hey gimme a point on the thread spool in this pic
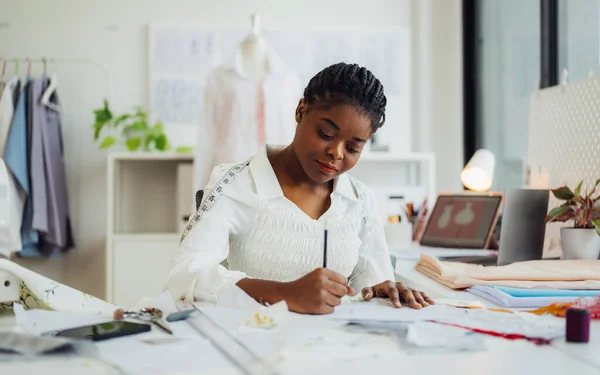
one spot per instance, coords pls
(578, 325)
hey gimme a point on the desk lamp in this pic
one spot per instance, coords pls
(478, 174)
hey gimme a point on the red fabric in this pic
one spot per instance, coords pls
(511, 336)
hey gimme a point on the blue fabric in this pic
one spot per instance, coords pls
(519, 292)
(17, 159)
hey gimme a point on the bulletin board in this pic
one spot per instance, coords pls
(564, 142)
(180, 57)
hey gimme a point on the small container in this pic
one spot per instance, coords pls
(578, 325)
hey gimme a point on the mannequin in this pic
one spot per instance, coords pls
(254, 51)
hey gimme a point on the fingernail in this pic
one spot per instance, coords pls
(397, 304)
(368, 295)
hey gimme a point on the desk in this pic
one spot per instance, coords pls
(406, 273)
(344, 352)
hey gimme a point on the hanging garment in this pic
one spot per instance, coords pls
(11, 212)
(7, 109)
(2, 85)
(47, 173)
(58, 223)
(17, 159)
(240, 115)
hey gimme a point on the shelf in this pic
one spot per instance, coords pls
(141, 156)
(375, 156)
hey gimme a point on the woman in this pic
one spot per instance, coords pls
(267, 217)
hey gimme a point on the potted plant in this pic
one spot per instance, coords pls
(133, 128)
(582, 241)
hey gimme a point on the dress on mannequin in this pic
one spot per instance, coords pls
(248, 102)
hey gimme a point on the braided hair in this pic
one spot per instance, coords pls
(349, 84)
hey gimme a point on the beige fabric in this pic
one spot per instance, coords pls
(548, 274)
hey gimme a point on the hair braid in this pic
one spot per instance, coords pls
(352, 84)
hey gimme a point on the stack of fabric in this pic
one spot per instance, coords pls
(542, 274)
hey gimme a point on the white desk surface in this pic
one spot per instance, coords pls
(352, 353)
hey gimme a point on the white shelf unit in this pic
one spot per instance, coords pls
(143, 228)
(146, 206)
(409, 175)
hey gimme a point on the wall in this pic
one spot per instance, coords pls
(114, 34)
(437, 108)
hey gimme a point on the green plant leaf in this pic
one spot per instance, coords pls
(563, 193)
(596, 224)
(103, 115)
(138, 125)
(133, 143)
(97, 129)
(161, 143)
(149, 139)
(578, 190)
(121, 118)
(158, 128)
(107, 142)
(139, 111)
(584, 216)
(558, 211)
(184, 149)
(594, 190)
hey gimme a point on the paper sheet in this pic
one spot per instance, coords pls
(296, 330)
(428, 335)
(190, 355)
(546, 327)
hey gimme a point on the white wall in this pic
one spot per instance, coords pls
(437, 108)
(114, 33)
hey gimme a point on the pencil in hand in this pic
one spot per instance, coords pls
(325, 251)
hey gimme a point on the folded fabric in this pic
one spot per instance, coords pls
(520, 292)
(542, 274)
(503, 299)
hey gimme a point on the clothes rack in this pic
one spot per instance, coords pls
(56, 60)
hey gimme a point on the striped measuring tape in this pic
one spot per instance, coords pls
(209, 200)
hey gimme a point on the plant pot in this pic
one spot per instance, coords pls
(580, 243)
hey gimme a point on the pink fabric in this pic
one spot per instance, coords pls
(547, 274)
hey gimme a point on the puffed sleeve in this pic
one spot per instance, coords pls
(196, 272)
(374, 265)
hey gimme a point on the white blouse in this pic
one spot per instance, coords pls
(264, 235)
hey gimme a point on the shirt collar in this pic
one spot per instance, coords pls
(265, 180)
(267, 185)
(276, 66)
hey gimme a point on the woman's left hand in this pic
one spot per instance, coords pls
(397, 292)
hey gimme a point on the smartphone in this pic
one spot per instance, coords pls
(102, 331)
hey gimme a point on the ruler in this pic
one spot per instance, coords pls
(239, 354)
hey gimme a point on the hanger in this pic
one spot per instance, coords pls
(4, 68)
(52, 86)
(28, 67)
(45, 66)
(16, 67)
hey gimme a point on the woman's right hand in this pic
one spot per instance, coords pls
(316, 293)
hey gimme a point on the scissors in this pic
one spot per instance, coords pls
(149, 314)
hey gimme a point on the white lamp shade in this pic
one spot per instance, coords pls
(478, 174)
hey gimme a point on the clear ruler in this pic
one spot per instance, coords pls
(243, 358)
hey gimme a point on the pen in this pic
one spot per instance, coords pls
(325, 251)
